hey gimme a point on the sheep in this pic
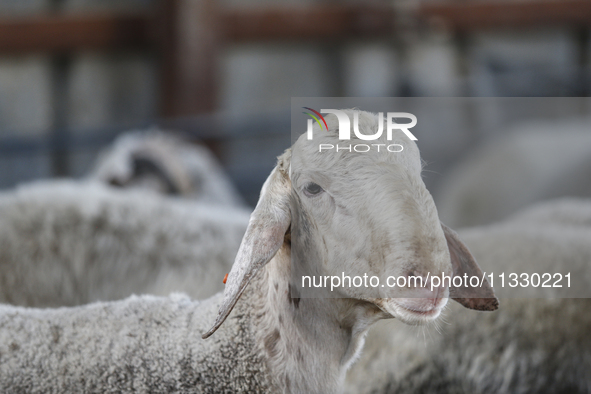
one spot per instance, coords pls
(530, 164)
(328, 213)
(65, 243)
(166, 163)
(73, 242)
(531, 345)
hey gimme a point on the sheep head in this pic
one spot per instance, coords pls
(357, 214)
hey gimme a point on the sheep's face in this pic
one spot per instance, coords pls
(368, 214)
(356, 214)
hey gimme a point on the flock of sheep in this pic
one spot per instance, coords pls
(99, 279)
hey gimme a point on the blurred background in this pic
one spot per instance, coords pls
(74, 74)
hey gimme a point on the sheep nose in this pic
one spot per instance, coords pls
(421, 294)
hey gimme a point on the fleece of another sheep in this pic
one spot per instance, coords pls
(70, 243)
(142, 344)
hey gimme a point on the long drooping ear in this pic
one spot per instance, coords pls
(263, 238)
(481, 298)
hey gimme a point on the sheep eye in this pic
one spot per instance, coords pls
(312, 189)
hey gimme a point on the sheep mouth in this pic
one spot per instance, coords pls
(427, 312)
(416, 314)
